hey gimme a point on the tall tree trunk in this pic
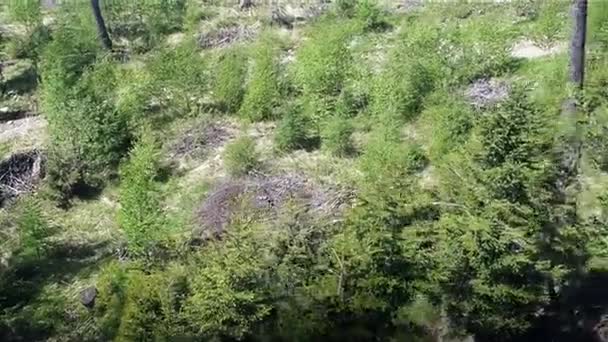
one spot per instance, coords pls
(577, 44)
(101, 26)
(570, 142)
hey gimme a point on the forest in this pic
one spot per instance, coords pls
(322, 170)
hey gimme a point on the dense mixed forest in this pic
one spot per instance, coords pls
(346, 170)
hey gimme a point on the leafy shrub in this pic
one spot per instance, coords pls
(385, 161)
(323, 60)
(73, 48)
(31, 45)
(230, 77)
(397, 93)
(170, 86)
(26, 12)
(596, 140)
(548, 26)
(370, 14)
(262, 90)
(448, 124)
(506, 187)
(230, 287)
(346, 8)
(322, 67)
(86, 129)
(140, 214)
(154, 19)
(112, 285)
(88, 135)
(33, 226)
(134, 305)
(292, 131)
(478, 49)
(336, 136)
(241, 157)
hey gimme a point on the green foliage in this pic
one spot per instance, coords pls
(26, 12)
(346, 8)
(292, 131)
(133, 305)
(72, 51)
(323, 60)
(176, 79)
(262, 89)
(448, 123)
(88, 134)
(385, 161)
(144, 23)
(549, 25)
(368, 12)
(596, 140)
(336, 136)
(597, 23)
(29, 46)
(229, 289)
(496, 240)
(33, 226)
(475, 49)
(322, 68)
(241, 157)
(140, 215)
(229, 79)
(112, 286)
(397, 93)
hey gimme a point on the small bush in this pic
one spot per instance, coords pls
(241, 157)
(87, 129)
(345, 8)
(154, 20)
(262, 90)
(447, 124)
(230, 287)
(370, 14)
(26, 12)
(228, 86)
(292, 131)
(33, 226)
(29, 46)
(336, 136)
(112, 285)
(386, 162)
(140, 214)
(323, 61)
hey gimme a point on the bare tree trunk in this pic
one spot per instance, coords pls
(570, 144)
(577, 44)
(101, 26)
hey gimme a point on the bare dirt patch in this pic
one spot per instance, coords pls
(267, 195)
(11, 131)
(19, 174)
(529, 49)
(485, 93)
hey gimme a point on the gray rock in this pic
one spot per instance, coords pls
(88, 296)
